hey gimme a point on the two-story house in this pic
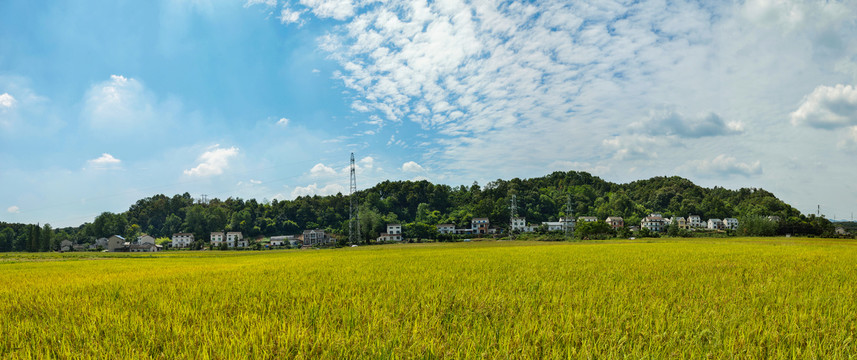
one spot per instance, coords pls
(181, 240)
(615, 222)
(480, 225)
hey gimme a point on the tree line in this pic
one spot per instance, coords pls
(420, 205)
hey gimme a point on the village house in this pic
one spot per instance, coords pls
(715, 224)
(283, 240)
(519, 224)
(730, 223)
(144, 247)
(217, 238)
(694, 221)
(236, 239)
(316, 237)
(446, 228)
(587, 219)
(480, 225)
(560, 225)
(181, 240)
(615, 222)
(66, 245)
(101, 242)
(679, 222)
(394, 233)
(116, 243)
(145, 239)
(653, 222)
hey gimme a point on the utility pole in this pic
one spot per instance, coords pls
(514, 214)
(353, 216)
(818, 212)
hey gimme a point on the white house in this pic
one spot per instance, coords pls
(715, 224)
(446, 228)
(181, 240)
(587, 219)
(560, 225)
(145, 247)
(217, 238)
(695, 221)
(235, 239)
(283, 240)
(730, 223)
(653, 222)
(520, 224)
(394, 233)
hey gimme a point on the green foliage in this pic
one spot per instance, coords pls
(592, 229)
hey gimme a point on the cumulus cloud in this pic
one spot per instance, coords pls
(7, 101)
(412, 166)
(105, 161)
(289, 16)
(828, 107)
(213, 162)
(672, 123)
(314, 189)
(320, 170)
(283, 122)
(726, 165)
(849, 140)
(13, 209)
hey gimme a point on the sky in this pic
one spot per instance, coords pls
(103, 103)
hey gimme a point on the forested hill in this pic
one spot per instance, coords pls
(538, 199)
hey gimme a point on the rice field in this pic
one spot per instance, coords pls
(736, 298)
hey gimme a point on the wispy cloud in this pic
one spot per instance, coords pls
(13, 210)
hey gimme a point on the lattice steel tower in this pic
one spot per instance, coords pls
(353, 215)
(568, 217)
(513, 214)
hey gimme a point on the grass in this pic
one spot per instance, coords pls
(667, 298)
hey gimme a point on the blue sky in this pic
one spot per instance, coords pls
(106, 102)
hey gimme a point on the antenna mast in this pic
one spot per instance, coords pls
(353, 216)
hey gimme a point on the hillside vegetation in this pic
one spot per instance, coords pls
(421, 204)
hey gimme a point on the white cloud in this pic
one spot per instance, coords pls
(337, 9)
(849, 141)
(7, 101)
(257, 182)
(316, 71)
(313, 189)
(213, 162)
(283, 122)
(412, 166)
(13, 210)
(105, 161)
(828, 107)
(322, 170)
(289, 16)
(723, 165)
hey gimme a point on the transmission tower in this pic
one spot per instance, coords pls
(514, 214)
(353, 216)
(568, 217)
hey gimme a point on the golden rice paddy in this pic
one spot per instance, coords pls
(738, 298)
